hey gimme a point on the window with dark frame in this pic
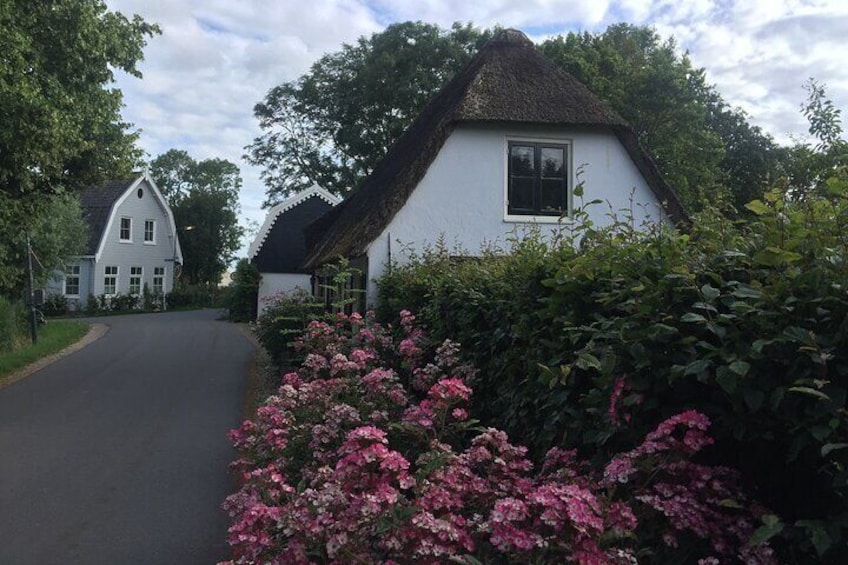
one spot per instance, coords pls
(537, 183)
(126, 229)
(72, 280)
(149, 231)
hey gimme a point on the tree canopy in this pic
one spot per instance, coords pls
(699, 142)
(60, 123)
(61, 126)
(333, 124)
(204, 197)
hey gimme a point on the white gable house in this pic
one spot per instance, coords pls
(497, 149)
(279, 247)
(133, 244)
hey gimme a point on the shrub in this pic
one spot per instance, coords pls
(55, 305)
(285, 317)
(588, 344)
(368, 454)
(242, 294)
(193, 296)
(92, 305)
(12, 323)
(124, 302)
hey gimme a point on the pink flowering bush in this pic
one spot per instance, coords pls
(368, 454)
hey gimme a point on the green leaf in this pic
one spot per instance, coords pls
(770, 528)
(692, 317)
(726, 380)
(697, 366)
(587, 361)
(828, 448)
(817, 530)
(810, 391)
(745, 291)
(741, 368)
(710, 293)
(758, 207)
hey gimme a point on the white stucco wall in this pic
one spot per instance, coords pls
(462, 195)
(273, 283)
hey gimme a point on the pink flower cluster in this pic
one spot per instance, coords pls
(367, 454)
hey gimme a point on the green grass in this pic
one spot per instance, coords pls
(53, 337)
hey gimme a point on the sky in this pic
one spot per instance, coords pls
(216, 59)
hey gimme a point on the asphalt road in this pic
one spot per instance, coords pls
(117, 454)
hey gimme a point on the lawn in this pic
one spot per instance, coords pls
(54, 336)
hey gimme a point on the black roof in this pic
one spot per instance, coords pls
(284, 247)
(97, 202)
(508, 81)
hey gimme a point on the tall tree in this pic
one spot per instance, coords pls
(701, 145)
(57, 232)
(808, 166)
(333, 124)
(61, 127)
(60, 122)
(204, 197)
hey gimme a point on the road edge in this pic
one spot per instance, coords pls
(95, 332)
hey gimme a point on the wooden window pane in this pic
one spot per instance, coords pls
(521, 194)
(553, 196)
(521, 161)
(552, 162)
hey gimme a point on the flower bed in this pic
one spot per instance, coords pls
(367, 454)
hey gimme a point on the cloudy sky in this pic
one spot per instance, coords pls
(217, 58)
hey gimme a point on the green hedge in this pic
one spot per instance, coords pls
(589, 342)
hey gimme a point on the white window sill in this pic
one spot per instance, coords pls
(149, 243)
(561, 220)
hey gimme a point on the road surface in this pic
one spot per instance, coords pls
(117, 454)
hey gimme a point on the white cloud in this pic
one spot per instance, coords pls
(217, 58)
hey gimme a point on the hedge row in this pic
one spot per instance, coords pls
(744, 322)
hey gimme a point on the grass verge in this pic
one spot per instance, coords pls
(52, 338)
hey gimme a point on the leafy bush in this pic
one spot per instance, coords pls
(285, 317)
(123, 302)
(743, 322)
(92, 305)
(193, 296)
(367, 454)
(12, 323)
(242, 294)
(55, 305)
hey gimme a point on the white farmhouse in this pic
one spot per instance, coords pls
(498, 148)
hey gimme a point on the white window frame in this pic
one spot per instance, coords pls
(152, 232)
(136, 279)
(159, 274)
(569, 198)
(121, 237)
(71, 271)
(107, 275)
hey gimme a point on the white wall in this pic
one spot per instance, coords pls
(462, 195)
(273, 283)
(124, 255)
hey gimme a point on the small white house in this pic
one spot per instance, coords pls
(279, 247)
(498, 148)
(133, 243)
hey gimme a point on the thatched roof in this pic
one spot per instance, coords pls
(508, 81)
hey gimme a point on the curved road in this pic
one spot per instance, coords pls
(117, 454)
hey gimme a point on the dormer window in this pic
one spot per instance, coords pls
(126, 230)
(537, 180)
